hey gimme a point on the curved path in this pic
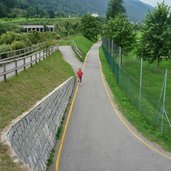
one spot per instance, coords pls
(96, 139)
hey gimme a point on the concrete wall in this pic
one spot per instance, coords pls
(31, 137)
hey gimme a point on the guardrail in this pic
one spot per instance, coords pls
(77, 50)
(12, 65)
(19, 53)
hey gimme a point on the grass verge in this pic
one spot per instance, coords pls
(82, 43)
(19, 93)
(137, 120)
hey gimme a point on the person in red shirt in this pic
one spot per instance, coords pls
(79, 74)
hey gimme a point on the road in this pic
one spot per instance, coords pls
(96, 139)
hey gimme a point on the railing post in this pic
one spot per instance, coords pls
(24, 60)
(16, 70)
(5, 76)
(40, 56)
(31, 60)
(36, 57)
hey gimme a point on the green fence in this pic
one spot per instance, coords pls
(146, 97)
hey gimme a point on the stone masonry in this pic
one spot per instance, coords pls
(31, 137)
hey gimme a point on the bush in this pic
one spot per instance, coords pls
(5, 48)
(18, 45)
(10, 37)
(35, 37)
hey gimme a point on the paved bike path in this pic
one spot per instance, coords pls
(96, 139)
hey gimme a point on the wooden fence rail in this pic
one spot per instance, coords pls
(18, 64)
(19, 53)
(77, 50)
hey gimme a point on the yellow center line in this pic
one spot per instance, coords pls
(67, 121)
(123, 121)
(65, 129)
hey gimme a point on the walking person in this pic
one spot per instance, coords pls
(80, 74)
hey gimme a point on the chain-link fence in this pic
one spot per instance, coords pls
(146, 91)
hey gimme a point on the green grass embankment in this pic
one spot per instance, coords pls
(82, 43)
(21, 92)
(127, 108)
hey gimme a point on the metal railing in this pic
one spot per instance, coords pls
(14, 65)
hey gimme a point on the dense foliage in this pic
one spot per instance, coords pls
(90, 26)
(156, 35)
(136, 10)
(115, 7)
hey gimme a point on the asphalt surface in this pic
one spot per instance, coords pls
(70, 57)
(96, 139)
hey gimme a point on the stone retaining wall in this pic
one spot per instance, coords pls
(31, 137)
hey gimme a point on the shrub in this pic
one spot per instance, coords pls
(5, 48)
(10, 37)
(18, 45)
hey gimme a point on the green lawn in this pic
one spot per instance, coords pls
(19, 93)
(152, 84)
(82, 43)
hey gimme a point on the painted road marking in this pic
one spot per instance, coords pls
(65, 129)
(123, 121)
(67, 121)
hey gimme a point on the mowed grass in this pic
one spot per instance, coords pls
(153, 82)
(20, 93)
(82, 43)
(152, 78)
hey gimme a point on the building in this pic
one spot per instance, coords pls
(39, 28)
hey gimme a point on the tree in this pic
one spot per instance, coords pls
(90, 26)
(156, 37)
(115, 7)
(121, 32)
(51, 14)
(31, 12)
(3, 11)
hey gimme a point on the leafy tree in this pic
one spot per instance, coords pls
(156, 36)
(31, 12)
(51, 14)
(3, 10)
(115, 7)
(90, 26)
(121, 31)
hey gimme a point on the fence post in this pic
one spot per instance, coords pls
(40, 56)
(31, 60)
(16, 70)
(112, 49)
(5, 76)
(24, 60)
(140, 91)
(36, 57)
(120, 53)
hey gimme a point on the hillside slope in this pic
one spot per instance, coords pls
(136, 9)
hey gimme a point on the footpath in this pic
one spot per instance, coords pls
(96, 139)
